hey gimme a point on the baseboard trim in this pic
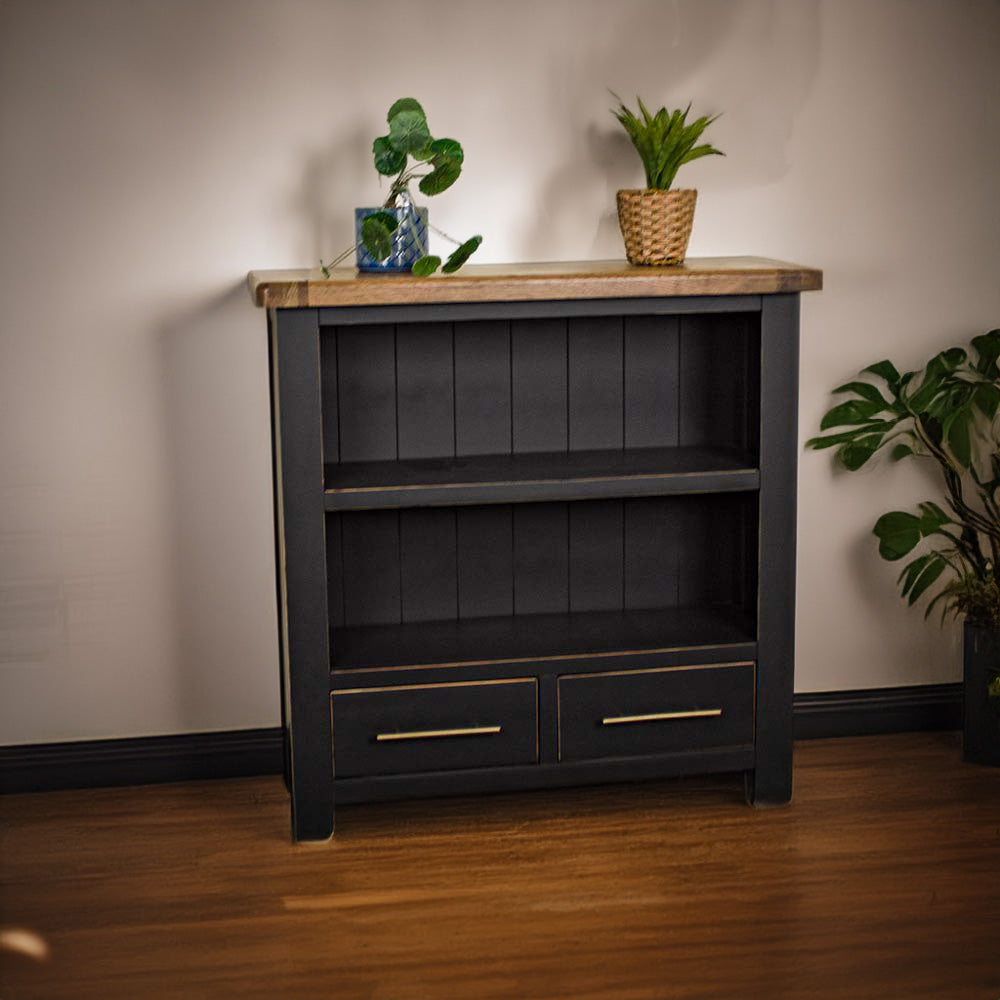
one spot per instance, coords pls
(39, 767)
(868, 712)
(144, 760)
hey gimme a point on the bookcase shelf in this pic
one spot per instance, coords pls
(534, 526)
(538, 476)
(507, 641)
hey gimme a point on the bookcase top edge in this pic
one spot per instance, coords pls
(536, 281)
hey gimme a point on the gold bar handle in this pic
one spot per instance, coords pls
(699, 713)
(433, 734)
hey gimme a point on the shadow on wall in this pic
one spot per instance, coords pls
(216, 402)
(754, 63)
(335, 178)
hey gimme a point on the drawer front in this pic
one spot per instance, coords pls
(668, 710)
(434, 727)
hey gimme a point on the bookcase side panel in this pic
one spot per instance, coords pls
(302, 566)
(779, 365)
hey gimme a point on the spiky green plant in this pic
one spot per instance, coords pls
(664, 141)
(948, 412)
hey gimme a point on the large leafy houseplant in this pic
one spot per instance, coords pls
(945, 414)
(408, 153)
(656, 220)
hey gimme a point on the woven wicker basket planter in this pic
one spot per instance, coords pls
(656, 225)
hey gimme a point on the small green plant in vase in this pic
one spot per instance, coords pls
(393, 237)
(656, 221)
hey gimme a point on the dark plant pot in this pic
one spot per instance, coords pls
(981, 714)
(409, 241)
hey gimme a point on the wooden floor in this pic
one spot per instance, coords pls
(882, 879)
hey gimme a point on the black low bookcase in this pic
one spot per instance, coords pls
(537, 532)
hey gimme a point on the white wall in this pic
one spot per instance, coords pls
(154, 151)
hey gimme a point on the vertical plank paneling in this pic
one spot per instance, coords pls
(425, 390)
(651, 381)
(367, 383)
(482, 388)
(595, 372)
(428, 565)
(371, 568)
(716, 350)
(596, 556)
(485, 561)
(712, 547)
(541, 558)
(538, 385)
(652, 553)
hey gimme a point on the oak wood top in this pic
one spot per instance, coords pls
(533, 282)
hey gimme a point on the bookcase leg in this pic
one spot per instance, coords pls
(769, 787)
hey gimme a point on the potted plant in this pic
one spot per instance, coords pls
(656, 221)
(947, 414)
(393, 236)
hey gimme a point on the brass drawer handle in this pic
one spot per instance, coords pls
(701, 713)
(432, 734)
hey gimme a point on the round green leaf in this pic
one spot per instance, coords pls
(450, 149)
(408, 131)
(441, 177)
(446, 156)
(462, 254)
(387, 219)
(426, 266)
(377, 235)
(388, 160)
(404, 104)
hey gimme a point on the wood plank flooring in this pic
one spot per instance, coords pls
(882, 879)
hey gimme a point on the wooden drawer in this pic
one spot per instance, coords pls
(660, 710)
(434, 727)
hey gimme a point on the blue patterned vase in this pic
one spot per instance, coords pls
(409, 241)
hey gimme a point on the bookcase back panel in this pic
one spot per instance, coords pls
(440, 564)
(496, 387)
